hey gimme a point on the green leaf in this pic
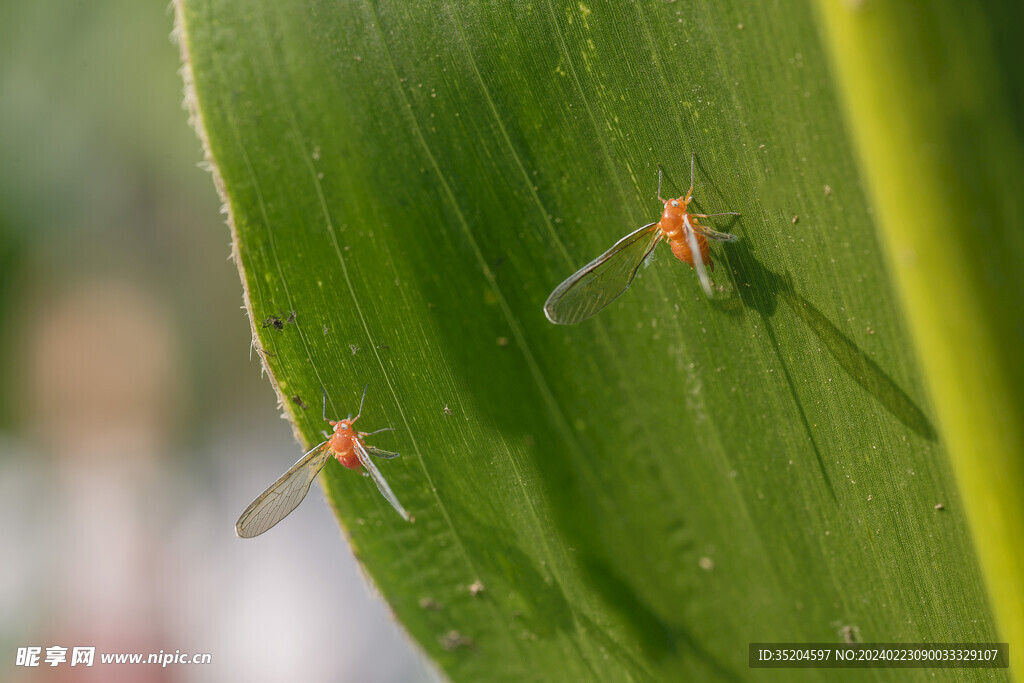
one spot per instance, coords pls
(641, 495)
(951, 157)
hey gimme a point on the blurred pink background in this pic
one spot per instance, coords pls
(134, 428)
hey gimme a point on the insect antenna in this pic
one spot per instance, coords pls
(361, 403)
(693, 156)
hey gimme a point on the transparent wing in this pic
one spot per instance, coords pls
(378, 479)
(714, 234)
(698, 261)
(380, 453)
(284, 495)
(601, 281)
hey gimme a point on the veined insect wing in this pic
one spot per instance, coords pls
(601, 281)
(714, 234)
(380, 453)
(698, 260)
(284, 495)
(378, 479)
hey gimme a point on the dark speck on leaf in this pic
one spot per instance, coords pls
(273, 321)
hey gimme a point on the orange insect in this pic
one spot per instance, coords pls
(601, 281)
(285, 494)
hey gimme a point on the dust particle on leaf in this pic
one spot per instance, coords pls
(502, 341)
(429, 603)
(353, 348)
(447, 410)
(273, 321)
(940, 506)
(453, 640)
(475, 588)
(297, 400)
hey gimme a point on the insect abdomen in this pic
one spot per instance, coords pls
(349, 458)
(681, 249)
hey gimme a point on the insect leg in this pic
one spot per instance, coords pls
(385, 429)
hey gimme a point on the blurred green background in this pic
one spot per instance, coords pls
(133, 425)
